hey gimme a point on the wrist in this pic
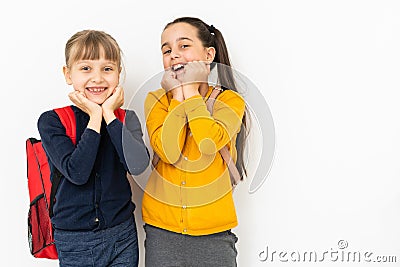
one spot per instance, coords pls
(95, 121)
(95, 113)
(108, 116)
(177, 94)
(190, 90)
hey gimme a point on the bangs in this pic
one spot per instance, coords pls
(93, 47)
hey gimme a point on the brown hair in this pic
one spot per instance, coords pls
(89, 45)
(210, 36)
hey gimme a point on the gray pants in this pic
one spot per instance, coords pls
(168, 249)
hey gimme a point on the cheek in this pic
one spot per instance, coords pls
(203, 56)
(80, 87)
(113, 81)
(165, 63)
(195, 56)
(82, 90)
(78, 83)
(110, 92)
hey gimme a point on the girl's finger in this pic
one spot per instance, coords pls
(117, 90)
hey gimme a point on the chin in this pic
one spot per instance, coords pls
(98, 101)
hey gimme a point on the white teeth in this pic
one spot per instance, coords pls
(96, 89)
(177, 67)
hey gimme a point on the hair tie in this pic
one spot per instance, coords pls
(211, 28)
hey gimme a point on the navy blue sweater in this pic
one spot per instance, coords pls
(94, 192)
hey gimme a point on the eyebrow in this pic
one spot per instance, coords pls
(178, 39)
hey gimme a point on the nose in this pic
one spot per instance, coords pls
(97, 76)
(174, 54)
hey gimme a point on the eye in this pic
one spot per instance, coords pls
(108, 69)
(184, 46)
(85, 68)
(167, 52)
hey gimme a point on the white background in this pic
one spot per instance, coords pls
(329, 71)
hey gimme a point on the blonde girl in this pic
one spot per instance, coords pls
(93, 212)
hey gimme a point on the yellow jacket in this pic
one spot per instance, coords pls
(189, 191)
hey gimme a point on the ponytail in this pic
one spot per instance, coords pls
(227, 81)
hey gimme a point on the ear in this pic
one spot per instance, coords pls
(67, 75)
(210, 54)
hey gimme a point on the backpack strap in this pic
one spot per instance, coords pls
(155, 160)
(67, 117)
(211, 99)
(54, 185)
(120, 114)
(233, 171)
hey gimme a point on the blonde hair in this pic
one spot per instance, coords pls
(91, 45)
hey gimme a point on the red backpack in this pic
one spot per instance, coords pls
(42, 190)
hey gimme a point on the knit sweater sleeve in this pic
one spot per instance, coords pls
(128, 141)
(75, 163)
(166, 125)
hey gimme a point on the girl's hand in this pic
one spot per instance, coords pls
(92, 109)
(87, 106)
(113, 102)
(194, 74)
(170, 83)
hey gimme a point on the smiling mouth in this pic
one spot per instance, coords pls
(177, 67)
(96, 89)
